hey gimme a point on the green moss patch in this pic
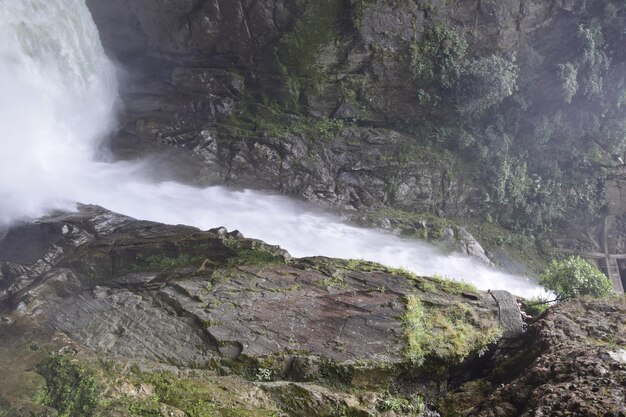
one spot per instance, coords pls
(319, 25)
(447, 334)
(423, 226)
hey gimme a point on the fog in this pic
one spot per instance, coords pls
(58, 96)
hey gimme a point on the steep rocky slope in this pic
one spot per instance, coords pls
(101, 313)
(173, 296)
(573, 364)
(464, 108)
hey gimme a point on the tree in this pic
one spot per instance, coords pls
(573, 277)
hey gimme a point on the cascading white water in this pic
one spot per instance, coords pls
(57, 94)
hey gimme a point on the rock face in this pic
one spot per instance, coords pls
(365, 104)
(130, 315)
(198, 68)
(173, 295)
(572, 365)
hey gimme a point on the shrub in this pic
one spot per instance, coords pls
(536, 306)
(594, 61)
(573, 277)
(488, 81)
(440, 57)
(70, 388)
(568, 74)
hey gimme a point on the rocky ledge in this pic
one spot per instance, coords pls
(107, 315)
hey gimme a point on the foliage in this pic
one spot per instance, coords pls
(488, 81)
(161, 262)
(417, 225)
(264, 374)
(256, 256)
(568, 74)
(536, 306)
(70, 388)
(415, 328)
(449, 334)
(197, 397)
(594, 61)
(574, 277)
(406, 406)
(529, 147)
(454, 287)
(440, 57)
(275, 120)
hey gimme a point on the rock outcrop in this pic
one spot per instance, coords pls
(129, 315)
(572, 364)
(422, 106)
(144, 292)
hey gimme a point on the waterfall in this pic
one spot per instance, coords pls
(57, 103)
(58, 90)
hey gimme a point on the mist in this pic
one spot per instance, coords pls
(59, 93)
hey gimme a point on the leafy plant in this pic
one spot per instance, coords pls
(573, 277)
(536, 305)
(440, 57)
(490, 80)
(412, 406)
(264, 374)
(594, 61)
(70, 388)
(568, 74)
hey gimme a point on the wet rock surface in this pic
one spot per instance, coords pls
(202, 74)
(148, 308)
(179, 295)
(98, 284)
(322, 100)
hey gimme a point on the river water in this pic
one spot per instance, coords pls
(58, 93)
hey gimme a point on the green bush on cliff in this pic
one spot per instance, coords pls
(70, 388)
(488, 81)
(440, 57)
(568, 74)
(573, 277)
(593, 62)
(316, 26)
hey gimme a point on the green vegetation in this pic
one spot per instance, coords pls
(416, 330)
(526, 148)
(256, 256)
(417, 225)
(440, 58)
(536, 306)
(454, 287)
(278, 121)
(196, 397)
(444, 334)
(488, 81)
(334, 375)
(406, 406)
(568, 74)
(162, 262)
(574, 277)
(336, 280)
(71, 388)
(317, 26)
(593, 63)
(560, 150)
